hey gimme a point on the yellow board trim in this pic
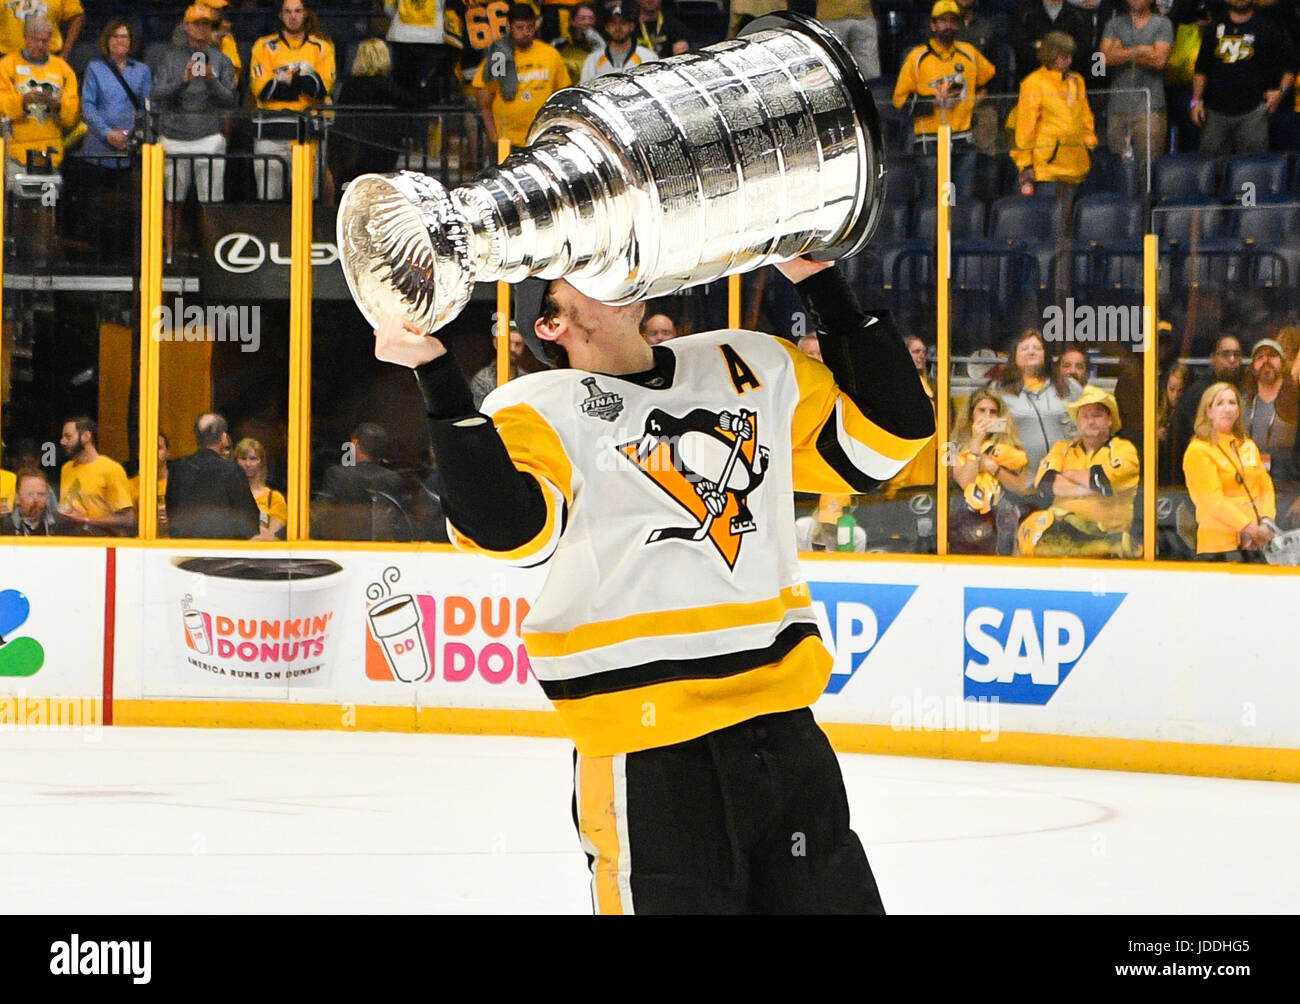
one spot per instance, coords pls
(1257, 763)
(689, 620)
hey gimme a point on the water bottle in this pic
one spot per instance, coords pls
(845, 530)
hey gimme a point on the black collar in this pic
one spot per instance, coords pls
(657, 377)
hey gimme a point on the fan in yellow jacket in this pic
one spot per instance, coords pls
(943, 77)
(1227, 480)
(38, 92)
(1054, 128)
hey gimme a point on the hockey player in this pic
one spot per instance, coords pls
(674, 633)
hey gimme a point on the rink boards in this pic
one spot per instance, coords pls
(1148, 668)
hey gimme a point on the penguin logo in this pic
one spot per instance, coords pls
(708, 462)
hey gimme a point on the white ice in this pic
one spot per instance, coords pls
(130, 820)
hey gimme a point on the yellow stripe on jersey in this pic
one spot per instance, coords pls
(879, 454)
(665, 713)
(601, 807)
(690, 620)
(535, 449)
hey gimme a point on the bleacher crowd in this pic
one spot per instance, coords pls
(1076, 127)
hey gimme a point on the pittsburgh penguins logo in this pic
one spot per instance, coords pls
(708, 462)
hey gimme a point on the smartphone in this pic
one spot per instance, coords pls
(997, 425)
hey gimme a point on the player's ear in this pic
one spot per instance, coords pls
(547, 329)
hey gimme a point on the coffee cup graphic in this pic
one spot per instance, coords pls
(396, 624)
(271, 622)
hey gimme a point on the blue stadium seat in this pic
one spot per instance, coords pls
(1267, 172)
(900, 179)
(1183, 177)
(1195, 220)
(1269, 222)
(1018, 218)
(966, 219)
(1107, 218)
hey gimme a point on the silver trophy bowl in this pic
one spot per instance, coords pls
(743, 154)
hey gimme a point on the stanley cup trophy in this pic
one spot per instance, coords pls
(743, 154)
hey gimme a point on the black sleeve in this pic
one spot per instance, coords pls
(484, 495)
(278, 90)
(1046, 488)
(248, 517)
(868, 358)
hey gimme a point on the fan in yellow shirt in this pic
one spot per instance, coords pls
(65, 16)
(8, 488)
(92, 488)
(943, 77)
(38, 92)
(250, 455)
(509, 102)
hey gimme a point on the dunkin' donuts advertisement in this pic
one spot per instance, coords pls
(434, 629)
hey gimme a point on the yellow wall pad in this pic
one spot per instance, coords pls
(1088, 752)
(1255, 763)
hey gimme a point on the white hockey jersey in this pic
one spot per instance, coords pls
(674, 603)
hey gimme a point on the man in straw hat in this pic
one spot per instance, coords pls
(674, 633)
(1088, 485)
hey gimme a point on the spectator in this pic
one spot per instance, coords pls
(1036, 401)
(484, 382)
(366, 143)
(822, 532)
(621, 51)
(66, 18)
(1088, 485)
(1244, 67)
(1072, 364)
(1053, 124)
(1226, 360)
(811, 346)
(1035, 19)
(361, 498)
(194, 84)
(658, 328)
(1136, 45)
(423, 63)
(662, 34)
(920, 470)
(942, 79)
(1176, 383)
(920, 354)
(992, 471)
(250, 455)
(32, 515)
(472, 28)
(978, 29)
(113, 96)
(38, 93)
(133, 486)
(515, 79)
(92, 487)
(854, 24)
(207, 495)
(221, 36)
(1227, 481)
(581, 41)
(1270, 409)
(292, 71)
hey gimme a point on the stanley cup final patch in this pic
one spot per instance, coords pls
(600, 403)
(708, 462)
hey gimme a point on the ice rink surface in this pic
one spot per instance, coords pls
(131, 820)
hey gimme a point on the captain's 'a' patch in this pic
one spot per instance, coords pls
(708, 462)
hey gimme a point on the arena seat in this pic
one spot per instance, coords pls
(1267, 172)
(1107, 217)
(966, 220)
(1192, 221)
(1021, 218)
(1183, 177)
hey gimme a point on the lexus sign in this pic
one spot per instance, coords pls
(242, 252)
(246, 253)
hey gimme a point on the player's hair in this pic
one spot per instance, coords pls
(111, 29)
(555, 355)
(85, 423)
(372, 59)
